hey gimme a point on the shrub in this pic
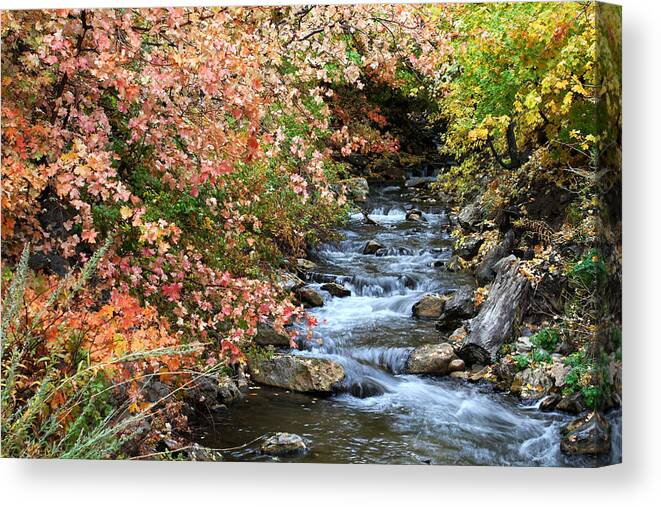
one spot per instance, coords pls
(67, 363)
(546, 339)
(585, 377)
(541, 356)
(590, 272)
(522, 361)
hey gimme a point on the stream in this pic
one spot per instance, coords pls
(380, 414)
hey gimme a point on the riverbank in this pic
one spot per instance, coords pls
(378, 411)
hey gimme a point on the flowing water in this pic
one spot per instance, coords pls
(380, 414)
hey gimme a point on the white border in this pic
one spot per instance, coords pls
(636, 482)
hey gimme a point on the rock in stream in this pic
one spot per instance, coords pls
(297, 373)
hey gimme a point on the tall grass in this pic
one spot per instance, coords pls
(86, 423)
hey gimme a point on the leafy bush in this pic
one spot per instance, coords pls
(546, 339)
(593, 396)
(541, 356)
(590, 271)
(522, 361)
(585, 377)
(63, 361)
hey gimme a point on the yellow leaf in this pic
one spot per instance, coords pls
(125, 212)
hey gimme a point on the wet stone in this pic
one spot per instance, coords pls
(371, 247)
(337, 290)
(283, 444)
(310, 297)
(589, 434)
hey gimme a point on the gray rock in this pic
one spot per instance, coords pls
(484, 272)
(589, 434)
(242, 377)
(414, 215)
(559, 372)
(429, 307)
(267, 335)
(456, 365)
(337, 290)
(505, 371)
(453, 264)
(479, 374)
(470, 218)
(283, 444)
(287, 281)
(208, 393)
(155, 391)
(309, 297)
(432, 359)
(384, 252)
(371, 247)
(523, 344)
(549, 402)
(199, 453)
(419, 181)
(573, 404)
(227, 390)
(501, 313)
(467, 247)
(460, 305)
(458, 335)
(297, 373)
(460, 375)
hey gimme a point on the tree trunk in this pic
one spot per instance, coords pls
(499, 316)
(516, 157)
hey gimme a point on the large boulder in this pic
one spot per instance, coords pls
(371, 247)
(433, 359)
(589, 434)
(470, 218)
(283, 444)
(309, 297)
(337, 290)
(267, 335)
(429, 307)
(501, 313)
(484, 272)
(287, 281)
(460, 305)
(467, 247)
(297, 373)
